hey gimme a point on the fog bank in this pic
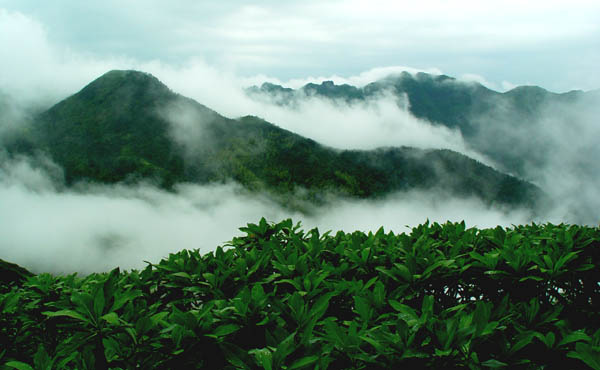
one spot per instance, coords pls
(97, 227)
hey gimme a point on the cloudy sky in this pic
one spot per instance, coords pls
(554, 44)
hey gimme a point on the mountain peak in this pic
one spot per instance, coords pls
(128, 74)
(124, 84)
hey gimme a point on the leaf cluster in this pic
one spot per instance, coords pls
(441, 296)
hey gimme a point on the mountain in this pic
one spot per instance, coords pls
(127, 126)
(489, 121)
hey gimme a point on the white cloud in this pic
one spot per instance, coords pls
(36, 71)
(101, 227)
(506, 86)
(472, 77)
(501, 40)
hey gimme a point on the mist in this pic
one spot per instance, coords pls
(557, 150)
(47, 227)
(90, 228)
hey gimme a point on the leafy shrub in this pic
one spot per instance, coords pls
(441, 296)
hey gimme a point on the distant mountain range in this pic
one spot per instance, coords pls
(492, 123)
(127, 126)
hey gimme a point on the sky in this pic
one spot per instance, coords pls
(554, 44)
(210, 50)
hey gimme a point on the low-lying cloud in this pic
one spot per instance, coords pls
(97, 227)
(557, 149)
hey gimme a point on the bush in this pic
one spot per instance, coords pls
(441, 296)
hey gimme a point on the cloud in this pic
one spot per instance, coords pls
(96, 227)
(36, 71)
(506, 86)
(502, 41)
(382, 121)
(63, 72)
(556, 149)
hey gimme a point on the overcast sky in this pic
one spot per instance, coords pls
(554, 44)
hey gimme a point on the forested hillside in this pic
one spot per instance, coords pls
(498, 125)
(128, 126)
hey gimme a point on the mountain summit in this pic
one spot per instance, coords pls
(128, 126)
(110, 130)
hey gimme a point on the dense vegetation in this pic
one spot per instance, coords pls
(441, 296)
(122, 127)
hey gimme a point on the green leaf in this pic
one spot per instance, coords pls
(405, 312)
(235, 355)
(41, 360)
(304, 361)
(548, 261)
(404, 272)
(111, 318)
(378, 346)
(68, 313)
(18, 365)
(226, 329)
(122, 298)
(258, 293)
(84, 303)
(363, 308)
(320, 307)
(182, 274)
(290, 281)
(386, 273)
(264, 357)
(564, 260)
(283, 350)
(297, 307)
(575, 336)
(586, 353)
(63, 363)
(99, 301)
(494, 364)
(549, 339)
(521, 341)
(156, 318)
(481, 315)
(531, 277)
(427, 306)
(379, 294)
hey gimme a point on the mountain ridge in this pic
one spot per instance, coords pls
(477, 112)
(123, 127)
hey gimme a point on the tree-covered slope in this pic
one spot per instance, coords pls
(127, 125)
(498, 125)
(110, 130)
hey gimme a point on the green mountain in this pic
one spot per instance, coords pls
(495, 124)
(127, 126)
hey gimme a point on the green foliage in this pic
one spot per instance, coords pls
(11, 274)
(441, 296)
